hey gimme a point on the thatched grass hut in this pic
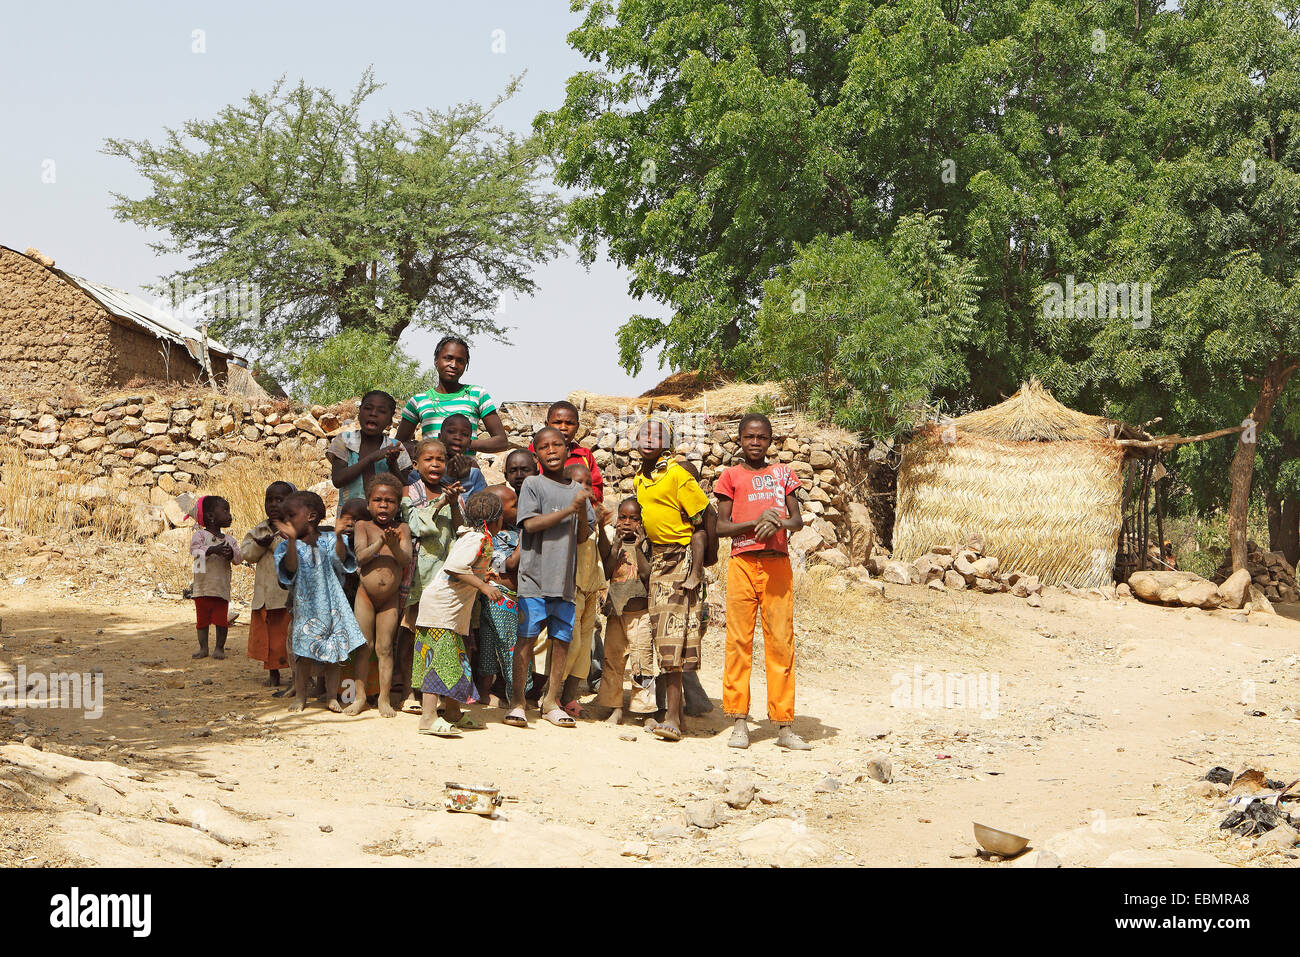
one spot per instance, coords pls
(1042, 484)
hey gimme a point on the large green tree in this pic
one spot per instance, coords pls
(340, 224)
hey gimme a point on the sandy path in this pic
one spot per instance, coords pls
(1096, 705)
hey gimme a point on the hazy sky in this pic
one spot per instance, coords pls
(73, 74)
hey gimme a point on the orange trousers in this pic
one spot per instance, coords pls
(760, 585)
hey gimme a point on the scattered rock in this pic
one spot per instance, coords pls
(741, 794)
(827, 785)
(31, 741)
(704, 814)
(635, 849)
(880, 768)
(781, 842)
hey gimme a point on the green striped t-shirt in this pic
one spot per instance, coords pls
(428, 409)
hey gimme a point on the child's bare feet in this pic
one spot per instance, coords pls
(386, 707)
(335, 706)
(295, 705)
(740, 735)
(786, 738)
(356, 707)
(219, 654)
(201, 653)
(615, 716)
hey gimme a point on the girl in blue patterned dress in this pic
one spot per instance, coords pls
(312, 563)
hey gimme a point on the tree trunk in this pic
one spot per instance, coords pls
(1289, 544)
(1243, 461)
(1273, 509)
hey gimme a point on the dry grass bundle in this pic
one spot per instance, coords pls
(1033, 415)
(51, 504)
(243, 484)
(1051, 509)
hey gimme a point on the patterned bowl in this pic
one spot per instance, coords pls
(472, 800)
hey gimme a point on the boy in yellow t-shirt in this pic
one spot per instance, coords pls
(672, 511)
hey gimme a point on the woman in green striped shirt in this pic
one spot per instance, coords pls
(428, 409)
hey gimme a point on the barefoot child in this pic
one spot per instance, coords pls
(312, 562)
(589, 582)
(627, 629)
(383, 550)
(757, 510)
(499, 625)
(432, 512)
(213, 552)
(672, 510)
(268, 628)
(555, 515)
(359, 454)
(441, 669)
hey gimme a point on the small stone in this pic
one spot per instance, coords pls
(32, 741)
(827, 785)
(704, 814)
(880, 768)
(741, 794)
(635, 849)
(669, 832)
(326, 829)
(628, 737)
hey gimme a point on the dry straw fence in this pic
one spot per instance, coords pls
(1041, 483)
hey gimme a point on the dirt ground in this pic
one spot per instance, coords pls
(1104, 714)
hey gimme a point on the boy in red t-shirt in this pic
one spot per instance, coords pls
(757, 510)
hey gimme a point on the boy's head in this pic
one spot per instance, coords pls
(352, 511)
(519, 465)
(275, 496)
(551, 448)
(484, 509)
(509, 503)
(303, 510)
(384, 497)
(563, 415)
(375, 414)
(451, 358)
(431, 460)
(653, 438)
(213, 512)
(755, 436)
(577, 472)
(628, 521)
(456, 432)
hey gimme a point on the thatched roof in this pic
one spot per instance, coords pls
(1034, 415)
(727, 400)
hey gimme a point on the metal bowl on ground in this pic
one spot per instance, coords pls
(472, 800)
(1003, 843)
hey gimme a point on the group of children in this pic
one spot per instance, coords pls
(465, 593)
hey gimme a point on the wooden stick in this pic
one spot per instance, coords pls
(1168, 440)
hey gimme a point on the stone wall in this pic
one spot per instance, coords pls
(177, 442)
(53, 335)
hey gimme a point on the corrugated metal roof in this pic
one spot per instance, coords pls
(142, 313)
(145, 314)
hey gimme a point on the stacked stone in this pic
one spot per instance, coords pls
(171, 444)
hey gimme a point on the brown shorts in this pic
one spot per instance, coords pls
(675, 622)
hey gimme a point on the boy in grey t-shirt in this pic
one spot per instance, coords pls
(554, 515)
